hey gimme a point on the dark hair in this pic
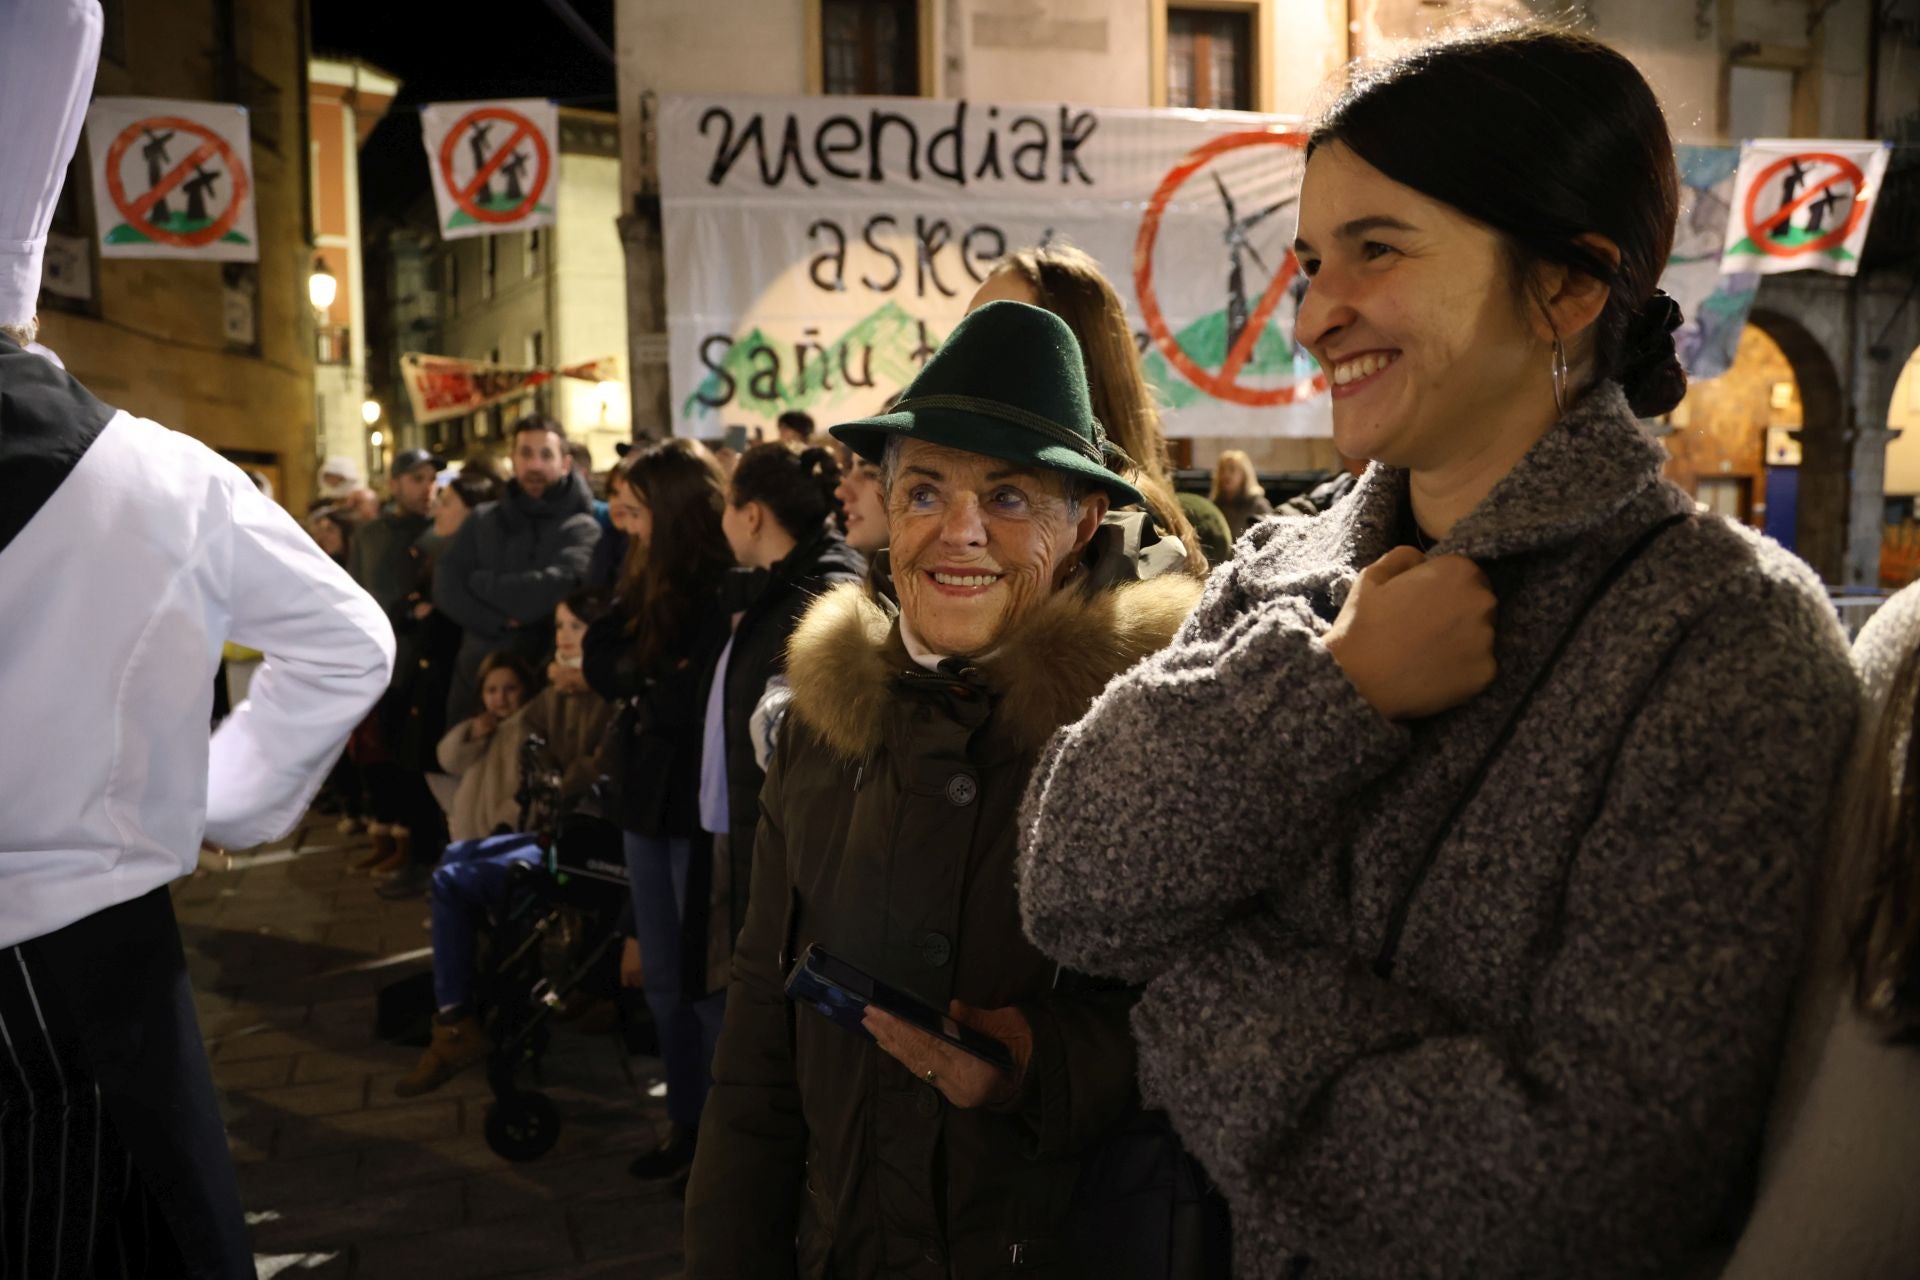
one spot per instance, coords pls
(510, 661)
(582, 456)
(589, 604)
(474, 487)
(1543, 136)
(483, 465)
(1068, 282)
(687, 551)
(539, 422)
(796, 485)
(794, 420)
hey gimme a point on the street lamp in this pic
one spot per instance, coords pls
(322, 286)
(376, 439)
(370, 413)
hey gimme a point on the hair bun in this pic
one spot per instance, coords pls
(1650, 370)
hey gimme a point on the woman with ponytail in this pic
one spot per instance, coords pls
(778, 521)
(1471, 951)
(652, 656)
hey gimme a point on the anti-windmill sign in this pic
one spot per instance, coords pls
(1801, 205)
(172, 180)
(494, 164)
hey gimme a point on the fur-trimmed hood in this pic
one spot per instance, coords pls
(846, 656)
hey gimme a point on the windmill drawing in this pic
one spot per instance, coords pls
(154, 152)
(197, 188)
(1239, 243)
(512, 169)
(478, 141)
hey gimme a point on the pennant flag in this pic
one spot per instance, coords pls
(494, 164)
(172, 179)
(1803, 205)
(1715, 304)
(448, 387)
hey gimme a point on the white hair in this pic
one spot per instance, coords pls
(1075, 488)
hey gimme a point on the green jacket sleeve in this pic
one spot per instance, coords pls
(743, 1203)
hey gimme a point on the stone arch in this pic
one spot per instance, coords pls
(1825, 440)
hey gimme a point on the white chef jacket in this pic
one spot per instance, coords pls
(114, 601)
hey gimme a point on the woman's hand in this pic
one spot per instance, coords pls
(965, 1080)
(482, 726)
(566, 679)
(1416, 635)
(631, 975)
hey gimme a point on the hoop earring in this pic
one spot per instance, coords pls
(1559, 376)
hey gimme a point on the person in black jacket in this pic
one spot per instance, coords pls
(780, 501)
(517, 559)
(653, 654)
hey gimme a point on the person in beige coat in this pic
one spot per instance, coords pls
(505, 685)
(1840, 1183)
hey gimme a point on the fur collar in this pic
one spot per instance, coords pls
(845, 658)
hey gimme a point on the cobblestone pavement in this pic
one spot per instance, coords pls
(339, 1178)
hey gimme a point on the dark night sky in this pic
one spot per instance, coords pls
(513, 49)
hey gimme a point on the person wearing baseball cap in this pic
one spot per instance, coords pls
(128, 554)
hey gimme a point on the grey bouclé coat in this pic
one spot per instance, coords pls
(1562, 1066)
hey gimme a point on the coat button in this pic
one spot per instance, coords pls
(935, 949)
(425, 663)
(962, 790)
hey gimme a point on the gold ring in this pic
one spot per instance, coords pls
(927, 1075)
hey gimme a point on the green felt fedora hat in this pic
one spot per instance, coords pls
(1008, 383)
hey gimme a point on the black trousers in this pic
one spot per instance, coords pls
(401, 795)
(113, 1158)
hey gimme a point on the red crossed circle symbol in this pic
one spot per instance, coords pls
(522, 128)
(135, 210)
(1223, 383)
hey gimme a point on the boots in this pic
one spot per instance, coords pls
(455, 1047)
(382, 851)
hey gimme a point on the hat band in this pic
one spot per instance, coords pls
(1047, 427)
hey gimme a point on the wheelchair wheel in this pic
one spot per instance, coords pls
(523, 1126)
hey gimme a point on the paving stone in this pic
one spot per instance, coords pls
(403, 1163)
(347, 1182)
(252, 1073)
(269, 1043)
(516, 1246)
(317, 1068)
(322, 1224)
(603, 1229)
(299, 1135)
(330, 1098)
(273, 1185)
(325, 1264)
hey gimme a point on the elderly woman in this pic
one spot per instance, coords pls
(887, 838)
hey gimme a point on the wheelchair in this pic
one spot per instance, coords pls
(572, 902)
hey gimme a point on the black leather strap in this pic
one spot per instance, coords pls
(1397, 921)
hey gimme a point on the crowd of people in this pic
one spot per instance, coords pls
(1485, 865)
(1426, 870)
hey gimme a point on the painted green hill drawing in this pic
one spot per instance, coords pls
(499, 204)
(178, 223)
(1793, 239)
(878, 351)
(1205, 342)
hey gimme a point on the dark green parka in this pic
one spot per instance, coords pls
(888, 836)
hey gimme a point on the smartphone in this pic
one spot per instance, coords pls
(841, 993)
(736, 439)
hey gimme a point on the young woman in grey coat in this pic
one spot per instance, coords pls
(1465, 956)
